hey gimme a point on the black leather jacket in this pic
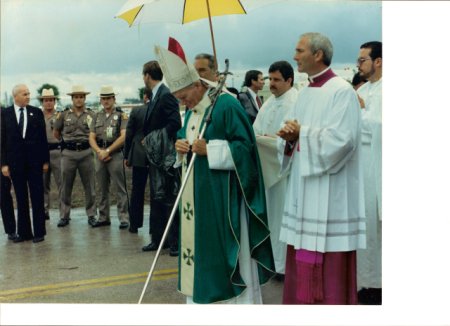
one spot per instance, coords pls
(161, 154)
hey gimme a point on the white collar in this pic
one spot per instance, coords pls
(17, 108)
(252, 93)
(204, 103)
(284, 95)
(155, 89)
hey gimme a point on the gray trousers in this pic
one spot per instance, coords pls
(107, 172)
(55, 169)
(83, 161)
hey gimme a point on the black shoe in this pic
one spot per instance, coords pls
(12, 236)
(63, 222)
(132, 230)
(92, 221)
(279, 277)
(21, 239)
(150, 247)
(123, 225)
(38, 239)
(369, 296)
(173, 252)
(100, 223)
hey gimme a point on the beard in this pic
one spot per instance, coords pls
(367, 75)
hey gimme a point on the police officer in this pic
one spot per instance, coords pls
(107, 137)
(48, 100)
(73, 125)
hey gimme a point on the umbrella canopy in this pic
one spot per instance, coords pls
(135, 12)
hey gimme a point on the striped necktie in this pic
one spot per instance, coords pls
(258, 101)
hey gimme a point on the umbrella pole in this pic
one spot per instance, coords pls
(212, 35)
(170, 220)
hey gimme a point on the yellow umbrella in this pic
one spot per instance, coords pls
(184, 11)
(135, 12)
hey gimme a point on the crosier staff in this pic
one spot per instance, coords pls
(214, 95)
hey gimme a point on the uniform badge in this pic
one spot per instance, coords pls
(124, 116)
(116, 117)
(109, 132)
(89, 120)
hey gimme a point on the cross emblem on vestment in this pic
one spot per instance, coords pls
(188, 257)
(193, 128)
(188, 211)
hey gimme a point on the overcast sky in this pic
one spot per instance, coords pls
(66, 42)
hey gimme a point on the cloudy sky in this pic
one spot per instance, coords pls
(66, 42)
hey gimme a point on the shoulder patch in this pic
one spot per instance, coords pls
(124, 116)
(58, 115)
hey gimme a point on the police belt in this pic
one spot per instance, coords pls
(76, 146)
(53, 146)
(104, 143)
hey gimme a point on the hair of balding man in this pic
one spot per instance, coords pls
(16, 88)
(208, 57)
(320, 42)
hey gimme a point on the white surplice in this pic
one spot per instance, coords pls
(267, 123)
(324, 207)
(369, 260)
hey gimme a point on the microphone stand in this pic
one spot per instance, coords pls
(214, 96)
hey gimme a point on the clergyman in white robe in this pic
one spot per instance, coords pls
(267, 123)
(324, 219)
(369, 260)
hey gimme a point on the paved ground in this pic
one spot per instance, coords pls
(79, 264)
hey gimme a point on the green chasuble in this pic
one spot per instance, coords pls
(213, 264)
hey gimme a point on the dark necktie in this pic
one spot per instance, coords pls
(147, 112)
(21, 122)
(258, 101)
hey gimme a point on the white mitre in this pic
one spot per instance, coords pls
(177, 73)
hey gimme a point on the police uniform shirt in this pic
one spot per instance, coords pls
(49, 124)
(74, 128)
(107, 127)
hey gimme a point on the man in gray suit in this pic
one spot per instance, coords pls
(250, 100)
(135, 157)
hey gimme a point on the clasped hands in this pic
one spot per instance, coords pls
(103, 155)
(198, 146)
(290, 130)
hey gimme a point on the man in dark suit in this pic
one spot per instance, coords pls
(162, 112)
(135, 157)
(7, 207)
(254, 81)
(24, 157)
